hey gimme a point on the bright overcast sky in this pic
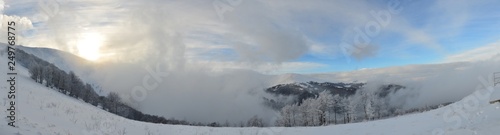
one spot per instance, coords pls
(278, 36)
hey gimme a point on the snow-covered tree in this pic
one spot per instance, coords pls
(381, 108)
(255, 122)
(351, 109)
(286, 117)
(343, 103)
(91, 96)
(290, 116)
(325, 102)
(368, 100)
(339, 106)
(55, 77)
(76, 85)
(370, 109)
(312, 110)
(294, 109)
(36, 73)
(305, 112)
(67, 83)
(48, 73)
(62, 81)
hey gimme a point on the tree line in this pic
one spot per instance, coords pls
(326, 109)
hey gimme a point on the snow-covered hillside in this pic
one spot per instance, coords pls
(67, 62)
(47, 112)
(63, 60)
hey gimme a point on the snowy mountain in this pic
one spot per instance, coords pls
(63, 60)
(67, 62)
(303, 90)
(45, 111)
(293, 78)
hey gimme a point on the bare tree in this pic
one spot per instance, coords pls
(114, 99)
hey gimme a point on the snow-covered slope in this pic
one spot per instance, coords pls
(65, 61)
(45, 111)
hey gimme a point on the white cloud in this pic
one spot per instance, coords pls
(21, 24)
(264, 35)
(263, 67)
(425, 84)
(478, 54)
(2, 6)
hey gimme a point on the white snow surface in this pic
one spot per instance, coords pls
(495, 95)
(43, 111)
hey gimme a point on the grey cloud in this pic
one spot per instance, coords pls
(365, 52)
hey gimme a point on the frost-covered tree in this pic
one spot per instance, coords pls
(320, 110)
(368, 100)
(286, 117)
(343, 103)
(305, 112)
(351, 109)
(339, 106)
(48, 73)
(294, 109)
(290, 116)
(76, 85)
(36, 73)
(312, 112)
(84, 93)
(62, 82)
(381, 108)
(325, 103)
(67, 83)
(255, 122)
(33, 73)
(55, 77)
(90, 96)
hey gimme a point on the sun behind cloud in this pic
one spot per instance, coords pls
(88, 45)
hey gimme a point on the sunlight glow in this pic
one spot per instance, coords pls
(88, 45)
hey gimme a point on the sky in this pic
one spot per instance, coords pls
(270, 37)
